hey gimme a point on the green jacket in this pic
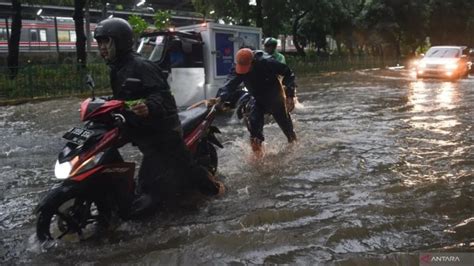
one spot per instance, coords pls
(279, 57)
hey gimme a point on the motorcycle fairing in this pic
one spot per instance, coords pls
(91, 108)
(125, 170)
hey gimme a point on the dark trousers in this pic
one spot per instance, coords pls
(168, 168)
(278, 110)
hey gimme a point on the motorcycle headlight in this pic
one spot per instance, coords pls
(88, 164)
(62, 170)
(65, 170)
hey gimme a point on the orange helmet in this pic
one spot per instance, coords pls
(244, 58)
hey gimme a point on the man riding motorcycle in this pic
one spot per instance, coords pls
(270, 45)
(260, 74)
(153, 123)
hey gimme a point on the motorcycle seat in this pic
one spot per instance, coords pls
(191, 118)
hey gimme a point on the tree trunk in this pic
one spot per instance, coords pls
(397, 46)
(258, 15)
(349, 43)
(296, 40)
(283, 43)
(338, 45)
(80, 35)
(104, 9)
(14, 41)
(88, 27)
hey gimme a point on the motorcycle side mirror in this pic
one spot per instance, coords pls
(90, 81)
(91, 84)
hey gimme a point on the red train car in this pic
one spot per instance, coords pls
(40, 35)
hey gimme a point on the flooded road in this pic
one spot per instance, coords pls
(383, 170)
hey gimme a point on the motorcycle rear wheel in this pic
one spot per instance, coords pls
(64, 212)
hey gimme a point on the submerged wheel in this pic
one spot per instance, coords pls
(63, 212)
(213, 159)
(207, 157)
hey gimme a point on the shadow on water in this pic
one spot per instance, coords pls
(381, 172)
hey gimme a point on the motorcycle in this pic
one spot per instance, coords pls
(97, 184)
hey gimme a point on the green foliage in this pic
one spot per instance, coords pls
(139, 25)
(162, 19)
(383, 27)
(452, 22)
(51, 80)
(401, 23)
(235, 11)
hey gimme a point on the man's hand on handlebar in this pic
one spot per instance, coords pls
(140, 109)
(212, 101)
(220, 105)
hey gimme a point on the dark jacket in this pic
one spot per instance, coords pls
(155, 90)
(261, 81)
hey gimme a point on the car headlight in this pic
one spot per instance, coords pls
(451, 65)
(422, 64)
(62, 170)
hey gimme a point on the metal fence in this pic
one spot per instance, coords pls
(50, 80)
(69, 79)
(309, 65)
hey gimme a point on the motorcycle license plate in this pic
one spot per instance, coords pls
(78, 135)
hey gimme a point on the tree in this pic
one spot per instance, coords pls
(259, 13)
(401, 23)
(275, 18)
(162, 19)
(298, 11)
(236, 12)
(317, 25)
(139, 25)
(345, 26)
(78, 17)
(270, 15)
(451, 21)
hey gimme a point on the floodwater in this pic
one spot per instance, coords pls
(383, 170)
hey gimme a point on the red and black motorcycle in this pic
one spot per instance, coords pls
(97, 183)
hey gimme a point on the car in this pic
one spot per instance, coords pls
(449, 62)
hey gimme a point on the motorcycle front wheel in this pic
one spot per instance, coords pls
(65, 213)
(207, 157)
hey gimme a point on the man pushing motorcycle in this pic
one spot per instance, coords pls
(260, 74)
(152, 123)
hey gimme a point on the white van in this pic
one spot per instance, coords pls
(198, 57)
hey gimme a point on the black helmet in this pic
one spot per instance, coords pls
(270, 42)
(119, 30)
